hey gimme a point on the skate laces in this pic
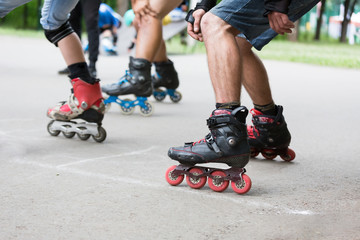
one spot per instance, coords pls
(197, 142)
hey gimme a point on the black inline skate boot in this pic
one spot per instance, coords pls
(270, 135)
(137, 81)
(166, 77)
(226, 143)
(82, 114)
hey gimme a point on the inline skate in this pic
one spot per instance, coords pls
(270, 136)
(82, 114)
(137, 81)
(226, 143)
(166, 77)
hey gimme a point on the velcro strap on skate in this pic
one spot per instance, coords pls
(73, 105)
(210, 141)
(218, 120)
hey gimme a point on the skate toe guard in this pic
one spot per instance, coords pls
(185, 155)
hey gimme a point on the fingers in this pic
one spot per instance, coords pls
(280, 23)
(195, 35)
(194, 30)
(198, 14)
(142, 9)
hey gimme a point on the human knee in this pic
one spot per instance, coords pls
(54, 36)
(212, 25)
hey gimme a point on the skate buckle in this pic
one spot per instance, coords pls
(84, 105)
(210, 140)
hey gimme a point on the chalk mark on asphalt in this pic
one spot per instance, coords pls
(128, 180)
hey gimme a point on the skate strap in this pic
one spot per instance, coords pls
(223, 119)
(74, 105)
(210, 141)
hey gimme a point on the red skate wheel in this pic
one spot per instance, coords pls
(242, 187)
(171, 178)
(216, 183)
(253, 152)
(269, 154)
(196, 182)
(289, 156)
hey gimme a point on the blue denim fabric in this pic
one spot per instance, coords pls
(54, 12)
(247, 17)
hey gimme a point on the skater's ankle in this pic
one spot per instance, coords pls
(81, 70)
(228, 105)
(268, 109)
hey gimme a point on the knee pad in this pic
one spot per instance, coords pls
(54, 36)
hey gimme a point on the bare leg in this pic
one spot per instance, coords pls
(161, 55)
(71, 49)
(223, 58)
(254, 75)
(149, 38)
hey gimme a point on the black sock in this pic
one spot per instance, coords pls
(80, 70)
(229, 105)
(268, 109)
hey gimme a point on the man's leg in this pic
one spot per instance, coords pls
(227, 141)
(149, 38)
(138, 80)
(269, 133)
(223, 58)
(254, 75)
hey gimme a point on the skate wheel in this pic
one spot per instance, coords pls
(69, 134)
(253, 153)
(52, 132)
(216, 181)
(268, 154)
(147, 112)
(127, 110)
(176, 97)
(242, 186)
(83, 136)
(196, 182)
(289, 156)
(173, 179)
(159, 95)
(100, 136)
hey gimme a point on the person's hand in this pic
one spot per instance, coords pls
(142, 9)
(280, 22)
(194, 30)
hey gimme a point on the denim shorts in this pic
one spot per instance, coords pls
(54, 13)
(247, 16)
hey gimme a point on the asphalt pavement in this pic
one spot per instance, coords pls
(59, 188)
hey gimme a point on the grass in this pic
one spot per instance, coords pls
(22, 32)
(327, 53)
(324, 53)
